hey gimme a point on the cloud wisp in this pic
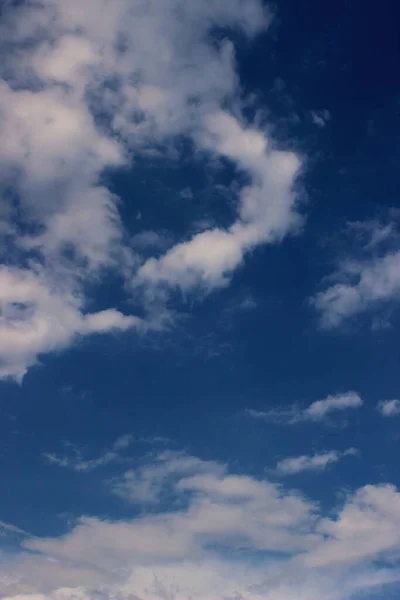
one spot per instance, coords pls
(368, 282)
(78, 463)
(318, 411)
(316, 462)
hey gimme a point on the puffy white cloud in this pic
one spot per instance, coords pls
(317, 411)
(80, 95)
(316, 462)
(367, 526)
(389, 408)
(204, 545)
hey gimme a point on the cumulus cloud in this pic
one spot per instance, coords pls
(202, 540)
(80, 97)
(317, 411)
(389, 408)
(367, 526)
(316, 462)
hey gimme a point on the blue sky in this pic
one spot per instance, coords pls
(199, 295)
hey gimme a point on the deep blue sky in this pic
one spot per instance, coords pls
(258, 343)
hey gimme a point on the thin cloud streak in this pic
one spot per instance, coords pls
(319, 410)
(316, 462)
(78, 463)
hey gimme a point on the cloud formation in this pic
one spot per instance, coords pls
(81, 97)
(319, 410)
(203, 544)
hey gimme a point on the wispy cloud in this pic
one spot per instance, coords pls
(78, 463)
(8, 529)
(321, 408)
(320, 117)
(316, 462)
(317, 411)
(368, 282)
(146, 483)
(365, 286)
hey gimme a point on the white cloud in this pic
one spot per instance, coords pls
(41, 316)
(204, 545)
(367, 526)
(221, 508)
(266, 209)
(389, 408)
(316, 462)
(86, 95)
(317, 411)
(146, 483)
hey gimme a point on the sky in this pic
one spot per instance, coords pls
(199, 300)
